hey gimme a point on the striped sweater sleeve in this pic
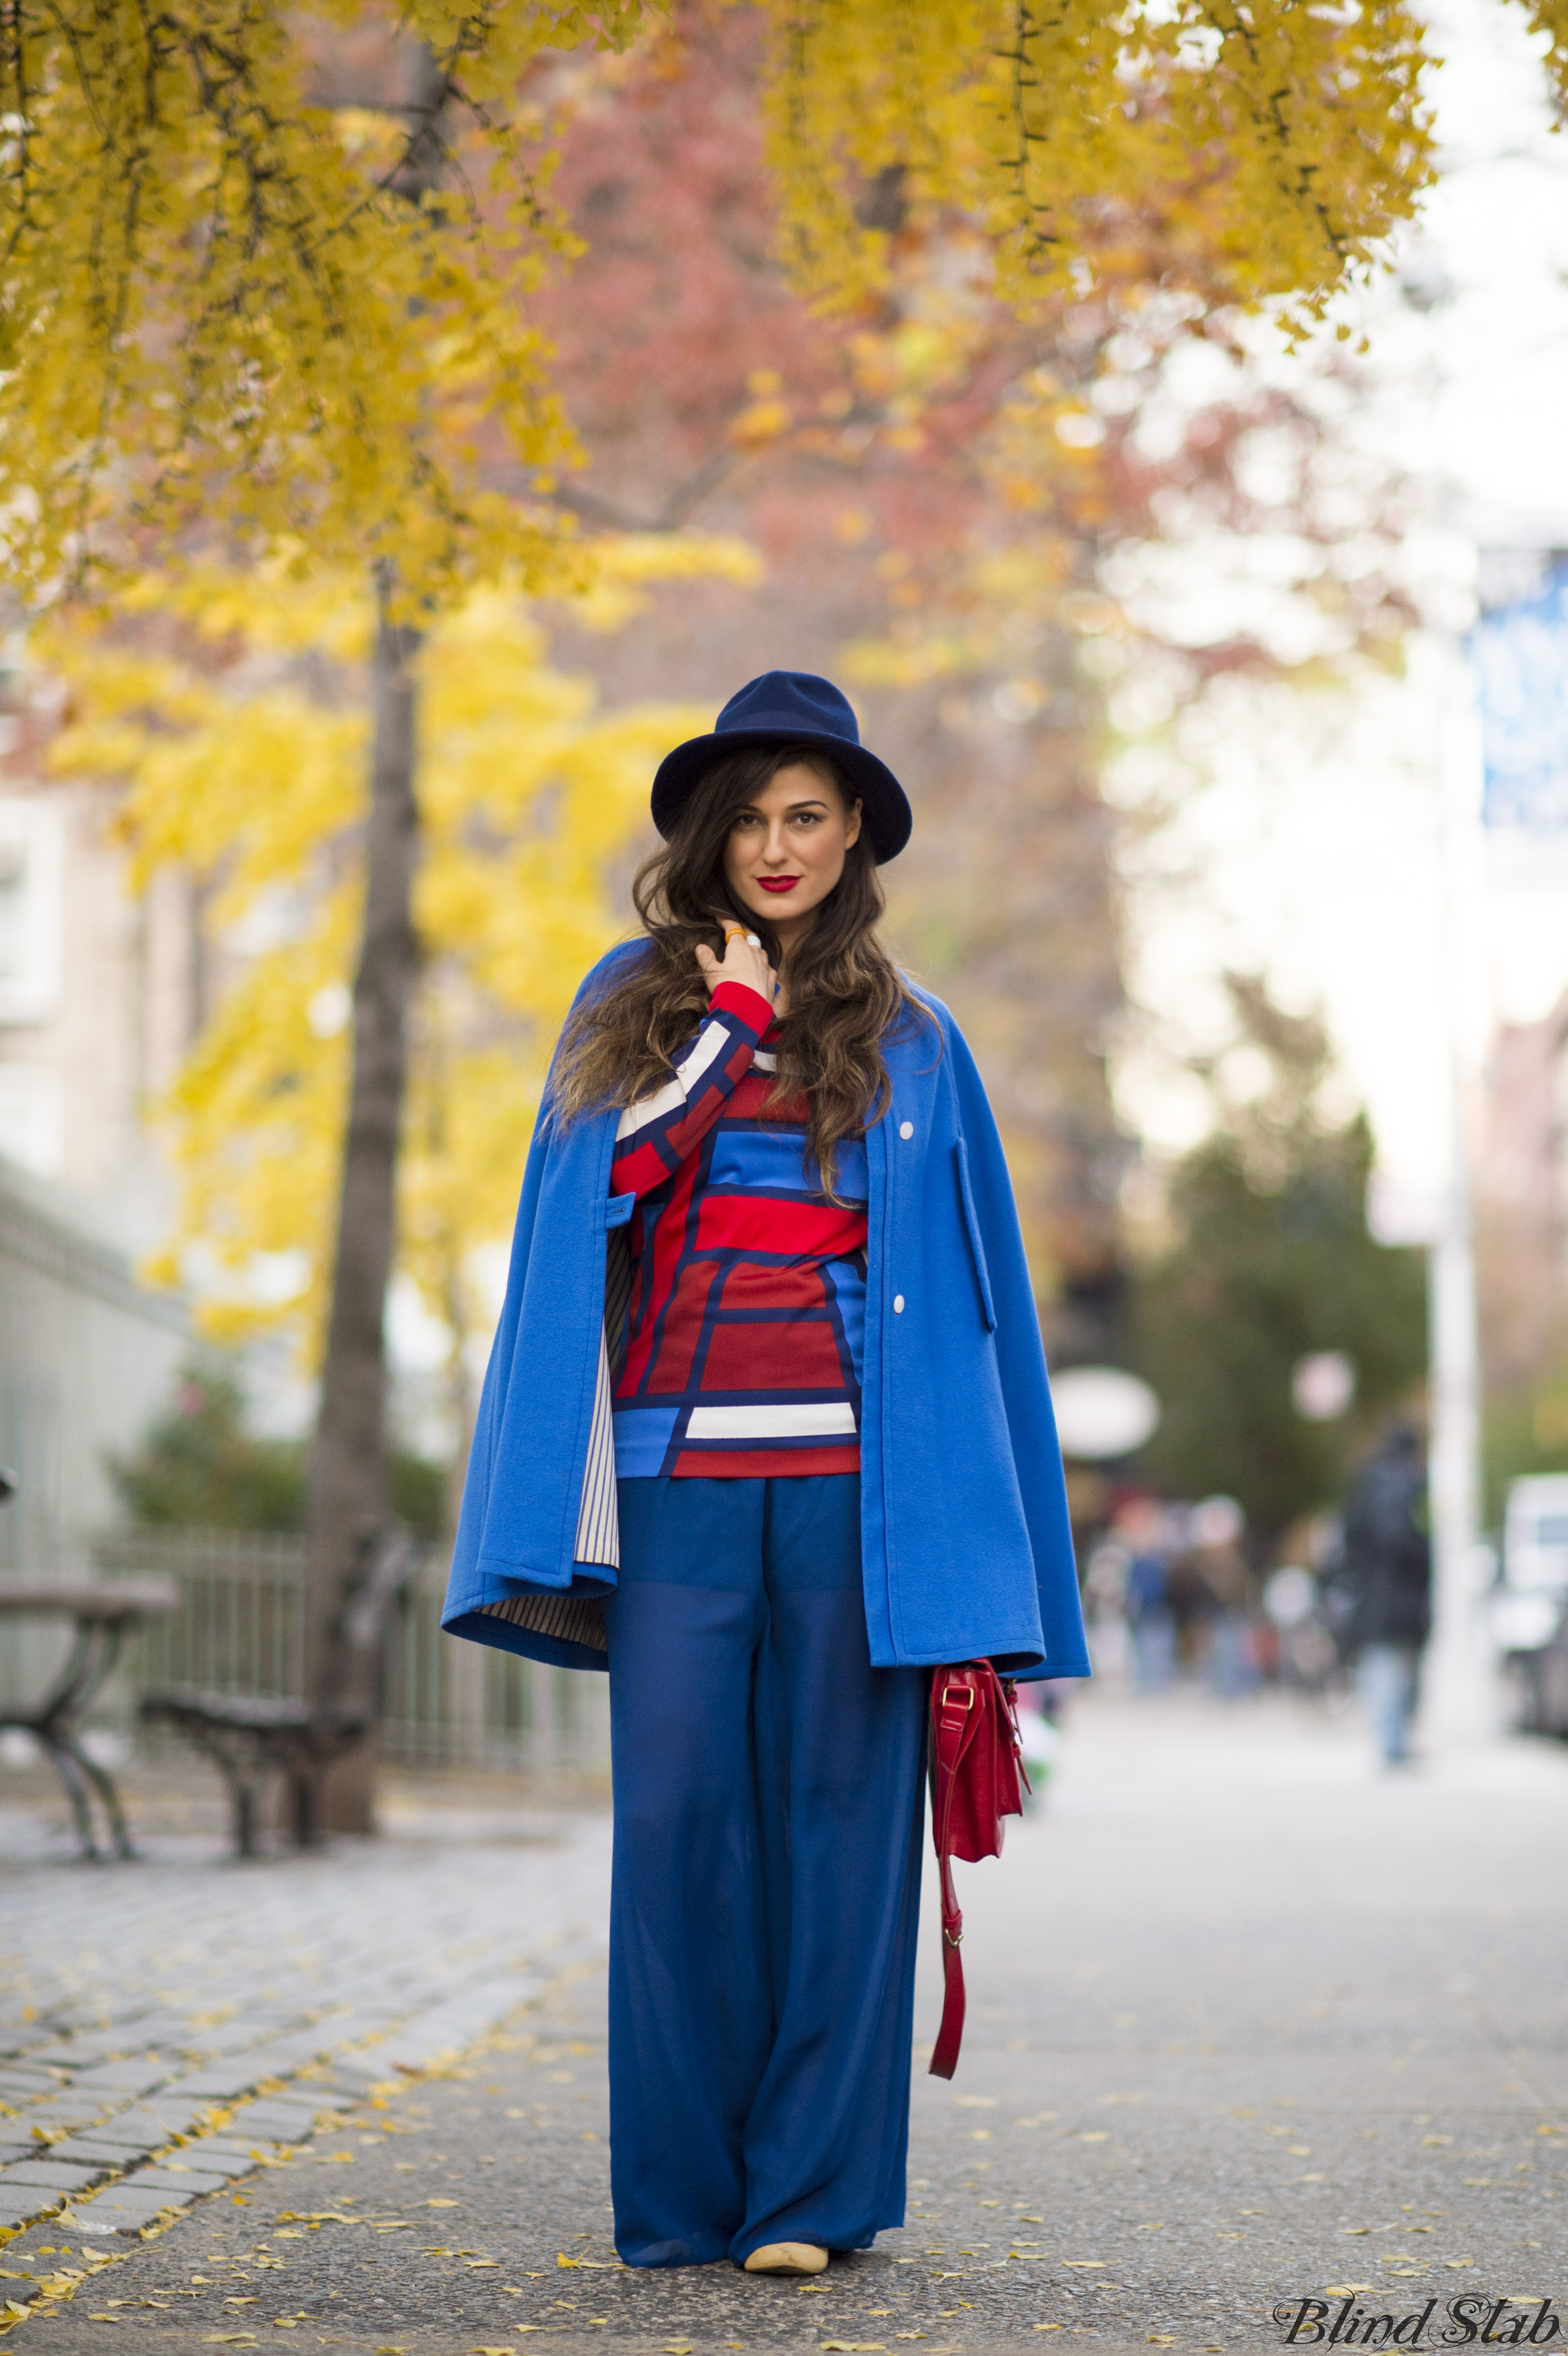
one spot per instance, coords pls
(656, 1135)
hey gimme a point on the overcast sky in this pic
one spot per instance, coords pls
(1314, 850)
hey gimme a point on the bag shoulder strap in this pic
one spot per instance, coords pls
(974, 1734)
(955, 1706)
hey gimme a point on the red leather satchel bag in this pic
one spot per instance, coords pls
(976, 1772)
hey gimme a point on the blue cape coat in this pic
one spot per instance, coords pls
(966, 1549)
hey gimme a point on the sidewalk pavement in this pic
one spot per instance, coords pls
(172, 2023)
(1251, 2025)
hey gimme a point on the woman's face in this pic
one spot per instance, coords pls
(786, 849)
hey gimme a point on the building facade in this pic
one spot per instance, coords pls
(99, 999)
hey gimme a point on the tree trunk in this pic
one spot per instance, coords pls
(461, 1394)
(349, 1485)
(351, 1491)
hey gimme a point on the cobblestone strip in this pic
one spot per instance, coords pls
(119, 2107)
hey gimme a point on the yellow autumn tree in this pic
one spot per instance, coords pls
(212, 277)
(1032, 124)
(265, 284)
(218, 221)
(528, 794)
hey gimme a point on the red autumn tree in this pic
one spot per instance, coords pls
(945, 498)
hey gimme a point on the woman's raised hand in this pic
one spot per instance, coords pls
(741, 963)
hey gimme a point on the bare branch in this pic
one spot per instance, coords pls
(677, 510)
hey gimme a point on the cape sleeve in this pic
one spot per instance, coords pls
(480, 1480)
(528, 1414)
(1026, 1388)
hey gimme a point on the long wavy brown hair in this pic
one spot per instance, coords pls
(845, 996)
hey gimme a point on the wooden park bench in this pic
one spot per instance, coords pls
(250, 1738)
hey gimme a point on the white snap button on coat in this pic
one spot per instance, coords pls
(906, 1129)
(898, 1303)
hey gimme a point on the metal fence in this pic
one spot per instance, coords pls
(239, 1628)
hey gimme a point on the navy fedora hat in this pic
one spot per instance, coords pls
(792, 707)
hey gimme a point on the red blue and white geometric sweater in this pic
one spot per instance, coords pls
(748, 1302)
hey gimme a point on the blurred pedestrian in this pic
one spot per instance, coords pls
(1105, 1602)
(1139, 1526)
(1294, 1604)
(1218, 1528)
(1383, 1587)
(806, 1205)
(1040, 1704)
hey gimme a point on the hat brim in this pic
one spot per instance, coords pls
(884, 806)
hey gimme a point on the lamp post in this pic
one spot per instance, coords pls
(1459, 1699)
(1460, 1695)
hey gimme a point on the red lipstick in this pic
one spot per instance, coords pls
(778, 882)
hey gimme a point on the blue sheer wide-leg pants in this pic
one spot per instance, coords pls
(768, 1827)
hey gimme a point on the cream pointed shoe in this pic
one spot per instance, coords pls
(786, 2258)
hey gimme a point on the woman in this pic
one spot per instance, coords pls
(766, 1432)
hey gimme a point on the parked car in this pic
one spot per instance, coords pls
(1529, 1604)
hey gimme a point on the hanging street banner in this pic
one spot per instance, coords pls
(1519, 650)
